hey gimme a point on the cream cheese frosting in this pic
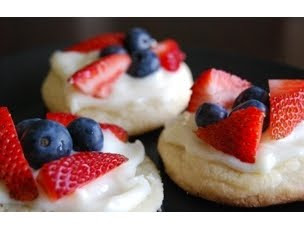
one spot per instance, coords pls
(126, 188)
(271, 153)
(151, 100)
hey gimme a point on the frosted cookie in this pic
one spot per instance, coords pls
(237, 144)
(66, 163)
(126, 79)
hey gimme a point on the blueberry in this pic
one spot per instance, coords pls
(257, 104)
(143, 63)
(209, 113)
(253, 92)
(46, 141)
(114, 49)
(25, 124)
(250, 103)
(86, 134)
(138, 39)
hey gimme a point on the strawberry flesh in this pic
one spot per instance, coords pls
(62, 177)
(14, 169)
(169, 54)
(97, 78)
(66, 118)
(98, 42)
(238, 135)
(218, 87)
(286, 106)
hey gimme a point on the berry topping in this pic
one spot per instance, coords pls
(14, 169)
(24, 125)
(209, 113)
(114, 49)
(249, 103)
(61, 117)
(238, 135)
(62, 177)
(218, 87)
(169, 54)
(86, 134)
(97, 78)
(66, 118)
(143, 63)
(98, 42)
(286, 106)
(119, 132)
(46, 141)
(257, 104)
(253, 92)
(138, 39)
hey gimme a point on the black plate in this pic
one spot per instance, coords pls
(22, 75)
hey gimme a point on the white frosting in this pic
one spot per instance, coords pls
(162, 85)
(118, 190)
(270, 152)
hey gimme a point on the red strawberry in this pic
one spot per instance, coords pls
(119, 132)
(62, 177)
(216, 86)
(61, 117)
(238, 135)
(97, 78)
(98, 42)
(170, 55)
(14, 169)
(66, 118)
(286, 106)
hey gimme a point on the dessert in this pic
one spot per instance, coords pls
(238, 144)
(126, 79)
(68, 163)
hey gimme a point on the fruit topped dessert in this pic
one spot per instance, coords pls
(71, 163)
(237, 143)
(128, 79)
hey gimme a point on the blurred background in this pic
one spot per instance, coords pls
(274, 39)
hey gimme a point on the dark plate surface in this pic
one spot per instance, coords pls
(22, 75)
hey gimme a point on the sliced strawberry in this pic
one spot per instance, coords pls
(14, 169)
(62, 177)
(119, 132)
(61, 117)
(98, 42)
(216, 86)
(286, 106)
(169, 54)
(238, 135)
(97, 78)
(66, 118)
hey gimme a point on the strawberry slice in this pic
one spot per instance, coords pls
(169, 54)
(14, 169)
(62, 177)
(98, 42)
(97, 78)
(216, 86)
(119, 132)
(238, 135)
(66, 118)
(286, 106)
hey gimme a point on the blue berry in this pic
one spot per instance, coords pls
(143, 63)
(138, 39)
(209, 113)
(253, 92)
(114, 49)
(250, 103)
(86, 134)
(46, 141)
(25, 124)
(257, 104)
